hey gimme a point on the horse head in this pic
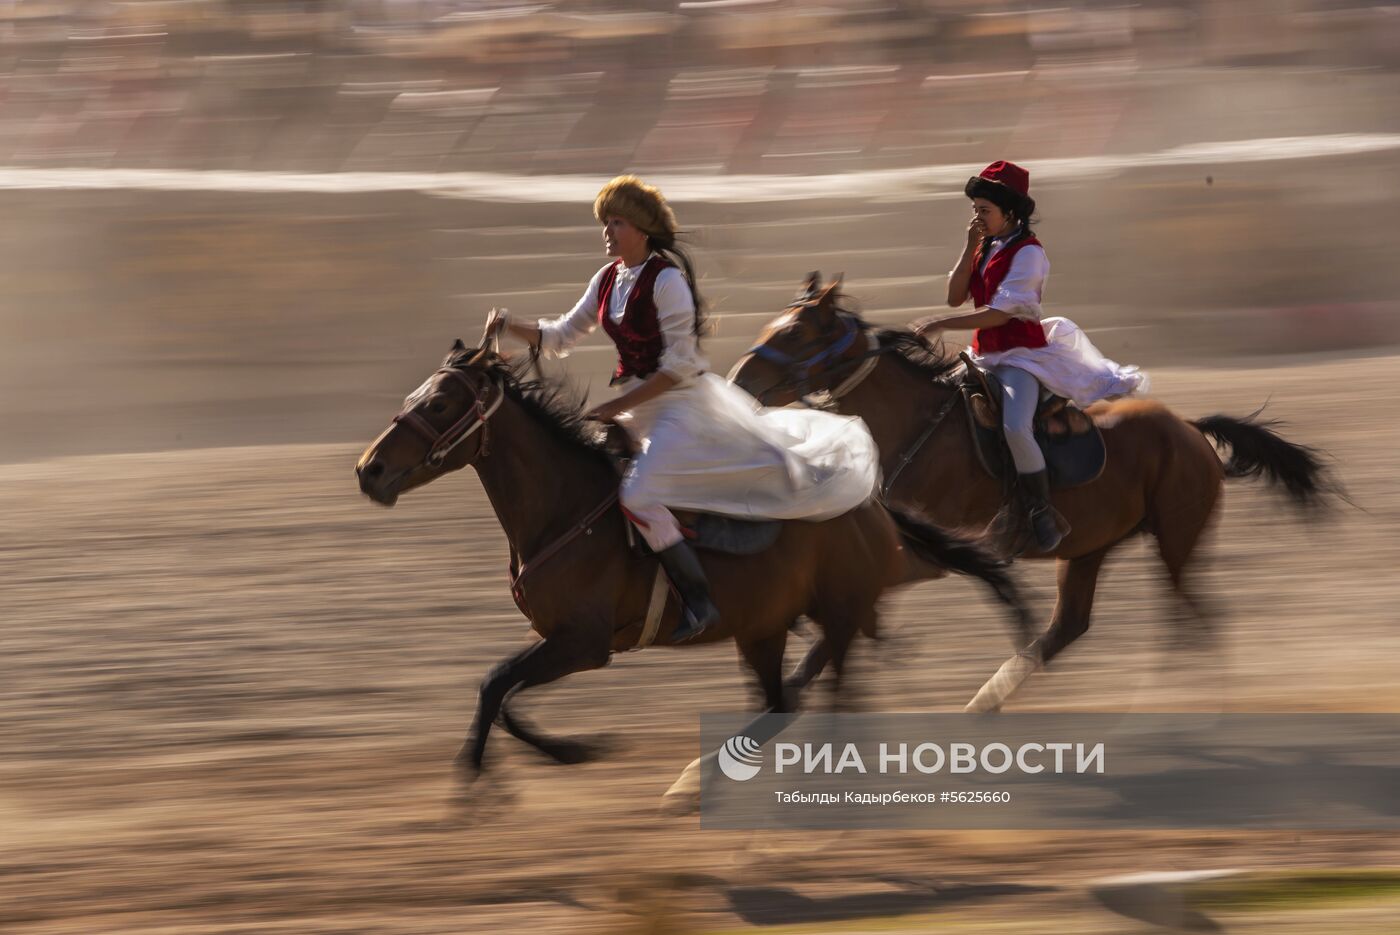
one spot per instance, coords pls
(812, 346)
(442, 427)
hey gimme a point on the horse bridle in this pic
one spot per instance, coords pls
(798, 373)
(441, 444)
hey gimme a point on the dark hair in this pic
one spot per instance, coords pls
(1021, 207)
(665, 244)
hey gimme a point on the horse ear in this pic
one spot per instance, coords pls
(826, 299)
(458, 345)
(811, 287)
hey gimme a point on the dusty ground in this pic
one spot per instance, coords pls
(233, 689)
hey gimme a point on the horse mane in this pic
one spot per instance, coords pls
(556, 406)
(929, 359)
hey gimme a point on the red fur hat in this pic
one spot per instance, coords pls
(1008, 174)
(1005, 185)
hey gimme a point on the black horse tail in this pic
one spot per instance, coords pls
(1256, 450)
(964, 555)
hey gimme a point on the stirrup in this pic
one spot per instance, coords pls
(691, 626)
(1045, 513)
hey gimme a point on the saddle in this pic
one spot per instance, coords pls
(1072, 444)
(711, 532)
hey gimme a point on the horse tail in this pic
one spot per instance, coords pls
(964, 555)
(1256, 450)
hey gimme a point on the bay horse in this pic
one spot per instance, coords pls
(1162, 476)
(586, 592)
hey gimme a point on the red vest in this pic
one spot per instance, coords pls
(1018, 332)
(638, 333)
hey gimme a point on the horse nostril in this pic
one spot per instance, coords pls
(372, 470)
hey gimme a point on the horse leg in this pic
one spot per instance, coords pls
(811, 666)
(765, 657)
(839, 628)
(545, 661)
(1077, 580)
(1179, 532)
(559, 749)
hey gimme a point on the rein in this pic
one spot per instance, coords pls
(919, 442)
(440, 444)
(863, 364)
(518, 570)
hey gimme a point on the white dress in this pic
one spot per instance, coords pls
(705, 444)
(1069, 365)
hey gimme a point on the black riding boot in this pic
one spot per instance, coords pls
(683, 568)
(1044, 529)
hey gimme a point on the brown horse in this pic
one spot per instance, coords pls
(586, 591)
(1162, 475)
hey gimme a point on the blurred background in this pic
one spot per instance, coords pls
(206, 197)
(237, 232)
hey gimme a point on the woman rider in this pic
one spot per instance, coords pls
(702, 443)
(1003, 269)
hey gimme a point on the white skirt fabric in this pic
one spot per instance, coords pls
(710, 446)
(1070, 366)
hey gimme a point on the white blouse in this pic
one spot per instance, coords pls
(1023, 288)
(675, 314)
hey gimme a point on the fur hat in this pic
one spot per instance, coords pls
(1008, 174)
(1005, 185)
(640, 204)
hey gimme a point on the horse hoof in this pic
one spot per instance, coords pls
(572, 752)
(477, 797)
(466, 769)
(679, 805)
(683, 798)
(1001, 686)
